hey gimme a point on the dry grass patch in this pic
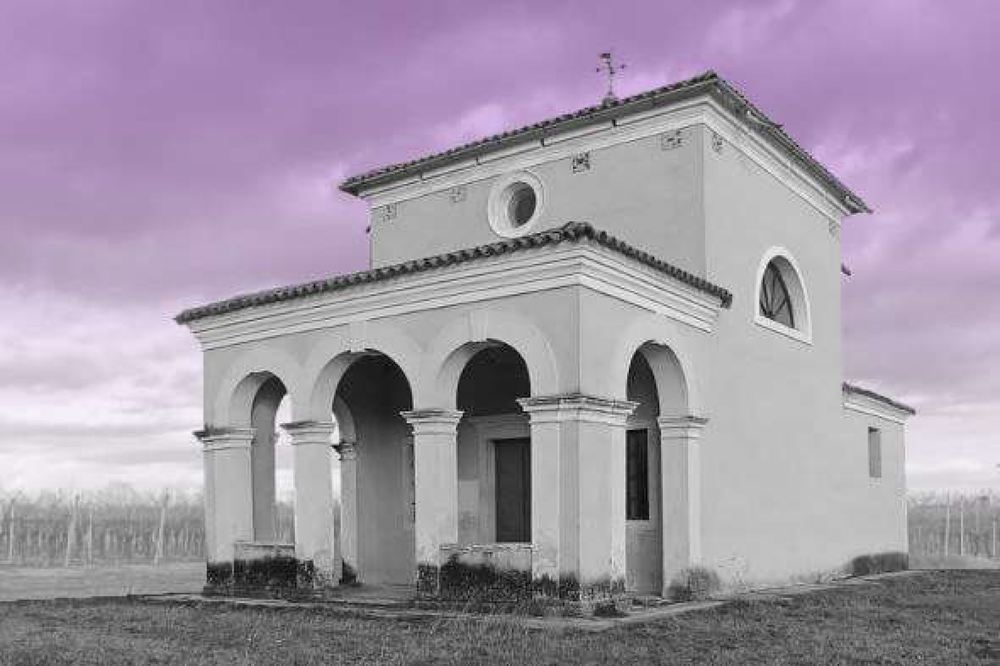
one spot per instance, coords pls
(927, 618)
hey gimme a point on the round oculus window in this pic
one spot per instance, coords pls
(521, 204)
(515, 204)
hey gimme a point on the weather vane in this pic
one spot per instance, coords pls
(609, 67)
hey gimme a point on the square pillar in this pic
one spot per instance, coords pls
(680, 474)
(314, 519)
(228, 499)
(550, 556)
(578, 494)
(348, 511)
(435, 470)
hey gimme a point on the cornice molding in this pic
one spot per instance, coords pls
(583, 265)
(877, 408)
(433, 421)
(581, 407)
(219, 439)
(681, 428)
(310, 432)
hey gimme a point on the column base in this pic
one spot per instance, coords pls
(267, 569)
(501, 573)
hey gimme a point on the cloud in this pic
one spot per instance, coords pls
(157, 157)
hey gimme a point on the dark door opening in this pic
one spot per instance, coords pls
(513, 490)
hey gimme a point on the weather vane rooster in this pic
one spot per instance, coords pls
(611, 69)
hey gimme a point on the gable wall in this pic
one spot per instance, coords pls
(636, 190)
(782, 490)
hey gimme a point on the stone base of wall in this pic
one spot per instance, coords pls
(257, 569)
(498, 576)
(496, 571)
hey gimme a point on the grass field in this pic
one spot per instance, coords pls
(36, 583)
(928, 618)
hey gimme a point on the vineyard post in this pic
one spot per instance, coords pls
(71, 531)
(947, 522)
(90, 533)
(159, 533)
(975, 517)
(961, 525)
(10, 531)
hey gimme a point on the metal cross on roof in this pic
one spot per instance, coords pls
(609, 67)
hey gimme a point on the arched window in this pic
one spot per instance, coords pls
(775, 299)
(782, 303)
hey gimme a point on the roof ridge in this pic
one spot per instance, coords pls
(570, 231)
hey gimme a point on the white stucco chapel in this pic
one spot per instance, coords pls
(591, 356)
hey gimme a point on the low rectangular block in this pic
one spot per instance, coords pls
(498, 571)
(264, 567)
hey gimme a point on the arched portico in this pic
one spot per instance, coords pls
(239, 449)
(332, 355)
(362, 389)
(360, 378)
(375, 470)
(494, 448)
(469, 442)
(663, 484)
(463, 338)
(231, 398)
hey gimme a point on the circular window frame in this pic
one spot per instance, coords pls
(498, 211)
(795, 284)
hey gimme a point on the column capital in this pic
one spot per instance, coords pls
(346, 450)
(433, 421)
(681, 427)
(217, 439)
(577, 407)
(309, 432)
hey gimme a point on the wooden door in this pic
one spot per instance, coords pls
(513, 489)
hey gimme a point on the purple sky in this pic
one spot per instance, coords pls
(155, 156)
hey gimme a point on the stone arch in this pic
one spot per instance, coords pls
(333, 356)
(345, 421)
(463, 338)
(672, 361)
(671, 379)
(233, 400)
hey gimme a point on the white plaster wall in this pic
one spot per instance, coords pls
(782, 492)
(643, 194)
(877, 504)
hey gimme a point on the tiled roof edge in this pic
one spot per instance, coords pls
(708, 81)
(775, 132)
(571, 231)
(868, 393)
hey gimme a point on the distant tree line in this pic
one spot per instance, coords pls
(119, 525)
(116, 525)
(945, 524)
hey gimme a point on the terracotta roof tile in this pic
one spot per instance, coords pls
(571, 232)
(709, 82)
